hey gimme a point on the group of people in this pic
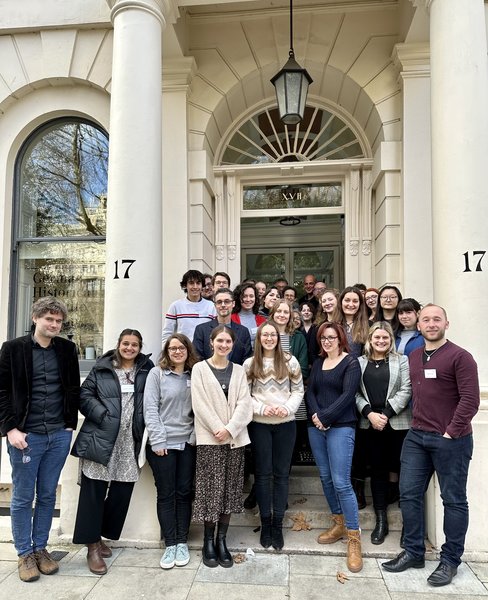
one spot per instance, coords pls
(361, 371)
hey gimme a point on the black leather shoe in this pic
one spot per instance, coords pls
(403, 562)
(442, 575)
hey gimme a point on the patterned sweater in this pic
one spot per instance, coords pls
(183, 316)
(287, 392)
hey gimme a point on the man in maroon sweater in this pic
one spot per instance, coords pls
(446, 397)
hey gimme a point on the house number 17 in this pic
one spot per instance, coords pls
(125, 272)
(476, 256)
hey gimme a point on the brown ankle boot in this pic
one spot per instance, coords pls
(96, 564)
(334, 533)
(354, 558)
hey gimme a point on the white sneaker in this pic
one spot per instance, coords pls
(182, 555)
(168, 559)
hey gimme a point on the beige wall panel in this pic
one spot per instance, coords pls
(255, 89)
(29, 47)
(234, 48)
(383, 85)
(373, 126)
(88, 44)
(57, 50)
(357, 28)
(331, 84)
(236, 101)
(390, 132)
(213, 135)
(262, 41)
(390, 109)
(387, 270)
(387, 240)
(322, 33)
(388, 212)
(373, 59)
(213, 68)
(35, 14)
(349, 98)
(10, 67)
(196, 140)
(363, 109)
(204, 95)
(101, 72)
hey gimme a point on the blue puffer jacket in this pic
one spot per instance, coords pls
(100, 403)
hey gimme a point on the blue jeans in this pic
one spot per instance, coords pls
(37, 477)
(272, 447)
(423, 454)
(333, 450)
(173, 476)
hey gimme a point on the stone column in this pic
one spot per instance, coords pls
(459, 100)
(133, 271)
(459, 165)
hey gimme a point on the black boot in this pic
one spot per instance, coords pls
(251, 501)
(265, 538)
(381, 529)
(209, 552)
(224, 556)
(358, 486)
(277, 533)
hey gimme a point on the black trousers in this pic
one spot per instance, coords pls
(382, 452)
(102, 510)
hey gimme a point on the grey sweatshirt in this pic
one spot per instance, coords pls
(167, 409)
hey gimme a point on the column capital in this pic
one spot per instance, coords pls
(178, 73)
(412, 60)
(164, 10)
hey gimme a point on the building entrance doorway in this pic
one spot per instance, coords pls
(314, 245)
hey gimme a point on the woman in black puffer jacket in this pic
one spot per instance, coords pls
(108, 445)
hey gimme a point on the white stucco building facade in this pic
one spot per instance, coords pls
(393, 151)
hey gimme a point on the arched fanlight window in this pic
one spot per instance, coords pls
(60, 226)
(321, 135)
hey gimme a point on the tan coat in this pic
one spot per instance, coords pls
(213, 411)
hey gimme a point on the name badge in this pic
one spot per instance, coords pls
(188, 383)
(430, 374)
(254, 330)
(127, 388)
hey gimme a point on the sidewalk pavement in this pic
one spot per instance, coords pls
(135, 574)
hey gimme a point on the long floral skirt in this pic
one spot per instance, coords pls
(219, 482)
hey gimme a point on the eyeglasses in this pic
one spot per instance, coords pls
(174, 349)
(269, 335)
(328, 338)
(388, 298)
(372, 298)
(223, 302)
(25, 455)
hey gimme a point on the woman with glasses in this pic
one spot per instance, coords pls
(245, 311)
(331, 405)
(371, 299)
(171, 450)
(383, 403)
(276, 384)
(108, 444)
(222, 407)
(388, 300)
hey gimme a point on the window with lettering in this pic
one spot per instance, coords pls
(276, 197)
(60, 228)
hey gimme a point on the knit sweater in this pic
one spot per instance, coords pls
(287, 392)
(213, 411)
(167, 409)
(183, 316)
(332, 393)
(446, 391)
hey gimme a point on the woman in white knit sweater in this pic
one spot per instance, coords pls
(223, 408)
(276, 384)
